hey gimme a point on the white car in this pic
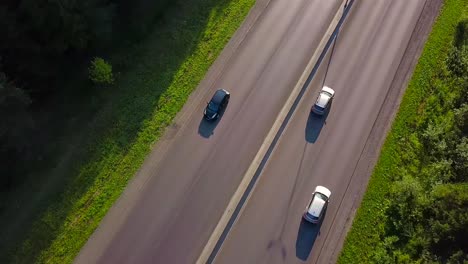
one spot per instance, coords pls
(323, 101)
(317, 205)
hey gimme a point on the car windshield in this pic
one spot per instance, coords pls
(212, 106)
(321, 196)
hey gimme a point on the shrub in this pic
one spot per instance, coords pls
(457, 62)
(426, 198)
(100, 71)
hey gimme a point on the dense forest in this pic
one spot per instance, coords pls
(44, 42)
(427, 216)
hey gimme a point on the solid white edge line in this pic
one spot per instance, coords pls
(235, 199)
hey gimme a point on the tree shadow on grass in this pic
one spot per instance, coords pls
(461, 34)
(157, 76)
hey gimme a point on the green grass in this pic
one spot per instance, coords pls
(369, 223)
(155, 78)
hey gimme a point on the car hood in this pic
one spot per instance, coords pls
(328, 90)
(323, 190)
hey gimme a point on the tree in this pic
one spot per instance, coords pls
(461, 118)
(448, 223)
(15, 124)
(407, 196)
(100, 71)
(39, 36)
(460, 159)
(457, 62)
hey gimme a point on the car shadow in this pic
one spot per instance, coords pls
(315, 124)
(207, 127)
(306, 237)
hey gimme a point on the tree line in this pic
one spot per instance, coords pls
(427, 215)
(43, 40)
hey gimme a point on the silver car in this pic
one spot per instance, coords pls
(317, 205)
(323, 101)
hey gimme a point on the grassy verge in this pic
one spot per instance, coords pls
(156, 77)
(369, 225)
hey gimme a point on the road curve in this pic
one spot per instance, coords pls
(169, 210)
(325, 151)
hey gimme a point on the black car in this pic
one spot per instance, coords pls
(217, 104)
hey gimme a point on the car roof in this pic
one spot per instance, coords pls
(324, 96)
(219, 95)
(323, 99)
(323, 190)
(316, 206)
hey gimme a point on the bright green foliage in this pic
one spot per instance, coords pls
(457, 61)
(421, 178)
(100, 71)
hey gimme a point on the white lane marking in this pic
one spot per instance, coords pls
(235, 199)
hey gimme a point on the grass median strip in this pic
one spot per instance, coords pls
(430, 96)
(157, 76)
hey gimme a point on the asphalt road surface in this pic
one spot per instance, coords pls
(168, 212)
(325, 151)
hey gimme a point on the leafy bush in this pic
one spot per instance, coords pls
(422, 175)
(100, 71)
(457, 61)
(428, 212)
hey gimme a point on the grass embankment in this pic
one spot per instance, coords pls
(387, 229)
(156, 77)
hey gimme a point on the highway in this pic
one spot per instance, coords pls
(169, 210)
(325, 151)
